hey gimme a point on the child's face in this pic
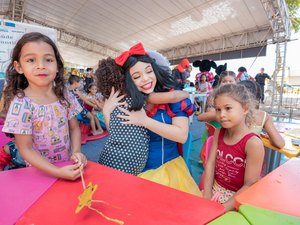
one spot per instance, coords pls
(38, 64)
(203, 78)
(228, 80)
(143, 77)
(93, 90)
(76, 84)
(229, 111)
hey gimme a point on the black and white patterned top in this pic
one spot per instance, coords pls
(127, 146)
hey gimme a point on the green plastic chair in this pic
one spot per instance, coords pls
(230, 218)
(259, 216)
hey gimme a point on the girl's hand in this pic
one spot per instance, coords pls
(207, 195)
(77, 92)
(79, 158)
(138, 118)
(70, 172)
(99, 104)
(113, 101)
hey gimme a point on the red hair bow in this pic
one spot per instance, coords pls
(137, 49)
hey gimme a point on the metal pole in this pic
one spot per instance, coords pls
(274, 90)
(282, 78)
(13, 9)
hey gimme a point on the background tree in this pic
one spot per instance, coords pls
(293, 6)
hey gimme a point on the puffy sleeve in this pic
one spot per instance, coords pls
(182, 108)
(19, 117)
(75, 108)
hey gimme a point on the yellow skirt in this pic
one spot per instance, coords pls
(174, 174)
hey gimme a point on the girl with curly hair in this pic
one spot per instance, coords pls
(40, 112)
(127, 146)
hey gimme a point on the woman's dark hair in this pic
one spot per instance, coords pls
(165, 80)
(254, 88)
(16, 83)
(109, 75)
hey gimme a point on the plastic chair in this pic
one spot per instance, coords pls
(210, 129)
(208, 145)
(210, 126)
(86, 134)
(186, 151)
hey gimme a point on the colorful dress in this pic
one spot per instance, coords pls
(165, 165)
(48, 125)
(92, 98)
(127, 146)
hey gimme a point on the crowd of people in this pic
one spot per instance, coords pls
(145, 111)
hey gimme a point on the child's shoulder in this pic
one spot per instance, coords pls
(254, 142)
(21, 99)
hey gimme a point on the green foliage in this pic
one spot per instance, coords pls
(293, 6)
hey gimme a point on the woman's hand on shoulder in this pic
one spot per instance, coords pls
(138, 118)
(113, 101)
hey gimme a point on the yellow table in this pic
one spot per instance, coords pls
(288, 131)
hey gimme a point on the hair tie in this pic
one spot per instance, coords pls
(137, 49)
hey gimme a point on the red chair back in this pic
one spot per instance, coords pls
(208, 145)
(3, 138)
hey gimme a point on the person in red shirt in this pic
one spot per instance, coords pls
(236, 156)
(179, 72)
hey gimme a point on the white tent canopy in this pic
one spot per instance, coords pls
(92, 29)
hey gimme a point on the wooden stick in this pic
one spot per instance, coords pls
(100, 201)
(82, 179)
(107, 218)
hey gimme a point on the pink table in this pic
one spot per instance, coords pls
(19, 189)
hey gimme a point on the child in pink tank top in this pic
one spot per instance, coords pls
(237, 154)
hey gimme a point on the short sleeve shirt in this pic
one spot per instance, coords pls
(48, 125)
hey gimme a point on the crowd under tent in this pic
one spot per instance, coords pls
(90, 30)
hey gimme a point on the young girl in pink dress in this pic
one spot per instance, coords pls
(40, 112)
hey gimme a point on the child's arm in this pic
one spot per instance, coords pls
(75, 137)
(177, 131)
(167, 97)
(99, 105)
(34, 158)
(90, 102)
(254, 160)
(81, 96)
(207, 116)
(275, 138)
(209, 172)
